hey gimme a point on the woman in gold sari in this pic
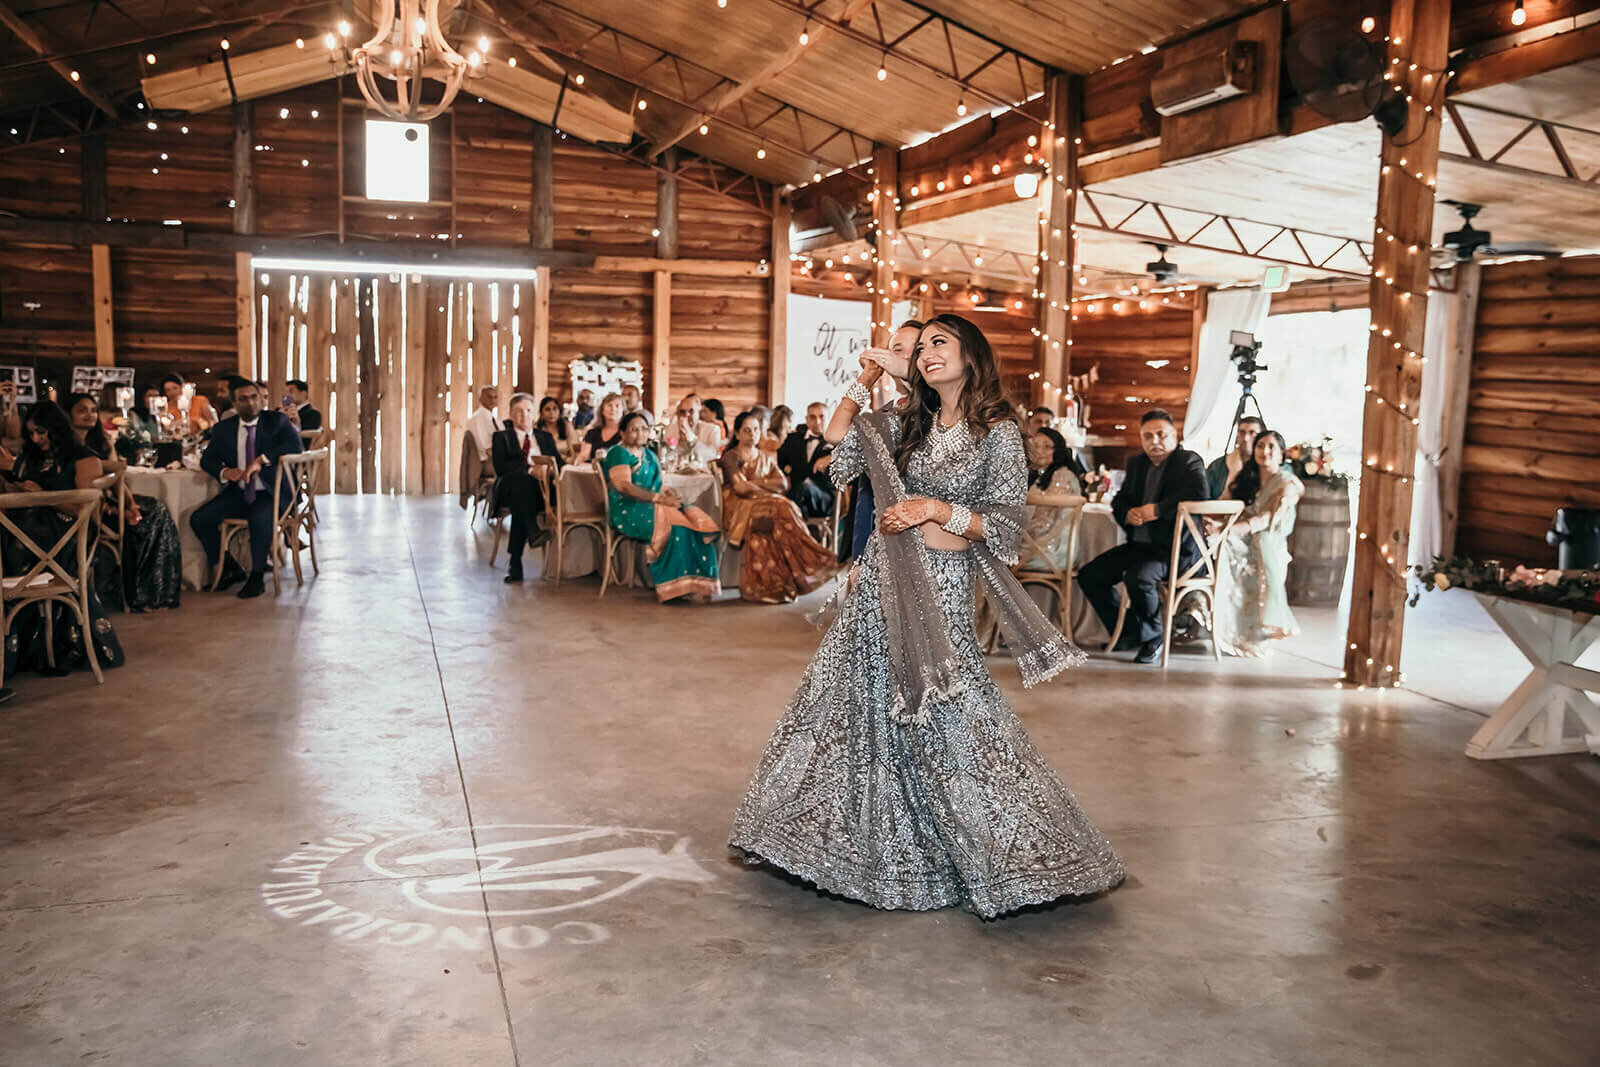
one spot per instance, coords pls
(781, 559)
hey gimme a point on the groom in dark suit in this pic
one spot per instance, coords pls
(515, 487)
(804, 457)
(1158, 480)
(243, 455)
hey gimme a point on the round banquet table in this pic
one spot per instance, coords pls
(581, 491)
(182, 491)
(1097, 532)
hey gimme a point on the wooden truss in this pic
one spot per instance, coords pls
(688, 85)
(1464, 117)
(1291, 246)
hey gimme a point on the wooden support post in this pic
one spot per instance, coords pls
(541, 204)
(105, 349)
(661, 343)
(319, 351)
(279, 291)
(1419, 33)
(778, 320)
(886, 219)
(667, 206)
(244, 314)
(1457, 371)
(92, 163)
(367, 383)
(419, 309)
(244, 167)
(483, 345)
(1058, 200)
(541, 331)
(344, 412)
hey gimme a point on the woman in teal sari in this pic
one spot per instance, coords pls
(681, 542)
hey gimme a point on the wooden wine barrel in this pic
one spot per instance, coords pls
(1320, 544)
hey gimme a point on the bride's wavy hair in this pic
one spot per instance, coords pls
(984, 403)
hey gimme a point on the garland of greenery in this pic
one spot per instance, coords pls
(1578, 589)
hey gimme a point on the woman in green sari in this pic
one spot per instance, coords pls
(681, 542)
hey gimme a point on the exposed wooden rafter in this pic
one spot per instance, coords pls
(37, 44)
(1481, 152)
(733, 92)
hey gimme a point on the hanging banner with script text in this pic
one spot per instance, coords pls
(826, 339)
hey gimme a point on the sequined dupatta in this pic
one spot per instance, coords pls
(922, 660)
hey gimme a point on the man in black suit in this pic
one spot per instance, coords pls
(299, 407)
(243, 455)
(1158, 480)
(515, 487)
(804, 456)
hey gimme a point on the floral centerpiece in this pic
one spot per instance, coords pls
(1311, 462)
(1097, 483)
(1578, 589)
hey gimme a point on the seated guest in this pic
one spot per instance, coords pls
(779, 425)
(633, 400)
(897, 364)
(1051, 479)
(298, 407)
(712, 412)
(585, 412)
(1039, 419)
(515, 487)
(680, 541)
(222, 395)
(606, 430)
(243, 456)
(1158, 480)
(781, 559)
(554, 422)
(152, 557)
(803, 458)
(687, 443)
(483, 423)
(201, 416)
(1224, 469)
(53, 461)
(1252, 605)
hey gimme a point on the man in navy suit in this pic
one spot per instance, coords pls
(243, 455)
(515, 487)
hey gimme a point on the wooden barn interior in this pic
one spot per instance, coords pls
(185, 188)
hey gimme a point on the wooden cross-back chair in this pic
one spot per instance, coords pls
(1199, 577)
(1063, 528)
(112, 521)
(610, 540)
(569, 518)
(48, 581)
(827, 529)
(543, 469)
(297, 478)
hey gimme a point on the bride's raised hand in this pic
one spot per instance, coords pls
(897, 366)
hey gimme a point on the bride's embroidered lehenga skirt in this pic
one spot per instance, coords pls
(960, 811)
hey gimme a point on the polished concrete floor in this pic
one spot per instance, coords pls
(254, 845)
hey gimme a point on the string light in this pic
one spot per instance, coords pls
(883, 67)
(1518, 16)
(150, 58)
(805, 33)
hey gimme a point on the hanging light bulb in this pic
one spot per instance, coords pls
(704, 129)
(883, 69)
(577, 79)
(805, 33)
(1518, 16)
(761, 153)
(961, 105)
(1026, 184)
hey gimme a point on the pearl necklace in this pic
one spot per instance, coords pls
(944, 444)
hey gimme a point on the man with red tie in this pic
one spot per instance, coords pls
(243, 455)
(515, 487)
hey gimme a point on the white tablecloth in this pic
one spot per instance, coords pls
(580, 491)
(182, 491)
(1097, 532)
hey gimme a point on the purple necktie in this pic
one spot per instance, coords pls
(249, 458)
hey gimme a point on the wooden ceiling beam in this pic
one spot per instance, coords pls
(737, 92)
(36, 44)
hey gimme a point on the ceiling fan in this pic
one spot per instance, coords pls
(1468, 241)
(1163, 271)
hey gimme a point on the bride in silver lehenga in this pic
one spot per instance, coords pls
(899, 776)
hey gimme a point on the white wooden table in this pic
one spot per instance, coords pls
(1550, 712)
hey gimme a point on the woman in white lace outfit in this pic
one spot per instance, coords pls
(1252, 607)
(899, 776)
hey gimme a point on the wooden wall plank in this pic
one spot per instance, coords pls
(461, 395)
(483, 342)
(391, 383)
(280, 292)
(244, 315)
(436, 358)
(539, 324)
(419, 308)
(319, 357)
(367, 382)
(344, 412)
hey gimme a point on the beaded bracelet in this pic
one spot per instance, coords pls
(859, 395)
(960, 520)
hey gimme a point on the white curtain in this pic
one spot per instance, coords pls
(1427, 507)
(1208, 422)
